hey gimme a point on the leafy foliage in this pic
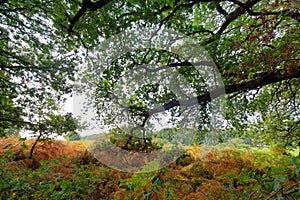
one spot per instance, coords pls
(254, 45)
(224, 172)
(35, 61)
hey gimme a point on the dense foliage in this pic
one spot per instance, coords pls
(64, 170)
(36, 64)
(253, 45)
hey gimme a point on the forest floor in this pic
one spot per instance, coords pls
(66, 170)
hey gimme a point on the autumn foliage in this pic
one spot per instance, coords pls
(203, 172)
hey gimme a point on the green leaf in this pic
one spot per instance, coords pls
(6, 146)
(278, 182)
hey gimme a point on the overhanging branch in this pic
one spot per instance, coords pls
(87, 4)
(271, 77)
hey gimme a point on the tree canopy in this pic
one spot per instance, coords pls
(36, 65)
(254, 45)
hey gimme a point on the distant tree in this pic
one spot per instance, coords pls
(74, 137)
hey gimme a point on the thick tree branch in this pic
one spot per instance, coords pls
(235, 14)
(294, 14)
(270, 77)
(246, 7)
(87, 4)
(220, 9)
(243, 5)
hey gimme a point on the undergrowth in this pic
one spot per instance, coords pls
(65, 170)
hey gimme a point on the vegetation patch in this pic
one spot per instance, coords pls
(67, 171)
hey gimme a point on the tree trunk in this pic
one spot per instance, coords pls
(34, 145)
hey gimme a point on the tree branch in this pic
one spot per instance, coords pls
(187, 5)
(87, 4)
(271, 77)
(235, 14)
(220, 9)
